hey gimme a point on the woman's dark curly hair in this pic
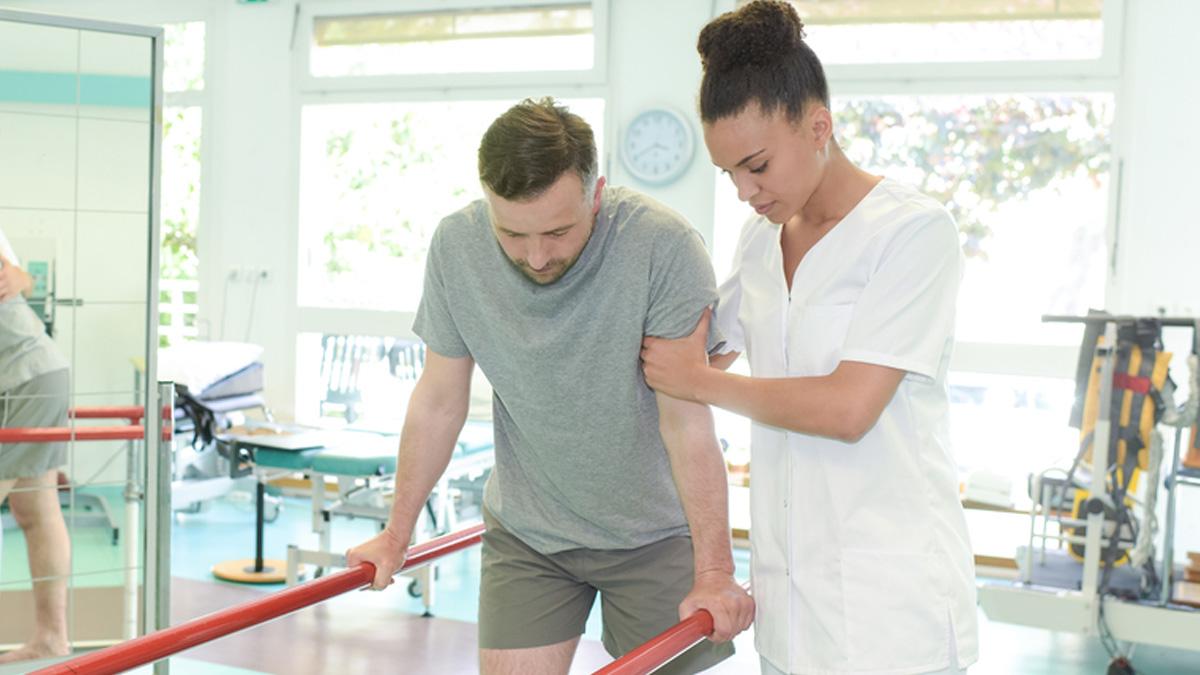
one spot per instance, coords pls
(758, 54)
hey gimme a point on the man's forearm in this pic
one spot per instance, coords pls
(700, 479)
(427, 442)
(14, 281)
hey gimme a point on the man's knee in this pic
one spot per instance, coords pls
(33, 502)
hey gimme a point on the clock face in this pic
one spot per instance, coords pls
(658, 146)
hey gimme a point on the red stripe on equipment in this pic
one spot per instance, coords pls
(1133, 383)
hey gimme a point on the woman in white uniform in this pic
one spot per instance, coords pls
(842, 296)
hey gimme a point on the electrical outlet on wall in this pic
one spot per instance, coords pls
(1178, 309)
(249, 275)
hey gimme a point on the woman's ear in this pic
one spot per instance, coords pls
(820, 125)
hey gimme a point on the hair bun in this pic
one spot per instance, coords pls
(755, 35)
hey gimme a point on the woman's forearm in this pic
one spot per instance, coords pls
(843, 405)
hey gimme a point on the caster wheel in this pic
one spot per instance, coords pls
(1121, 666)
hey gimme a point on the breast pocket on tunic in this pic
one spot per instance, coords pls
(816, 336)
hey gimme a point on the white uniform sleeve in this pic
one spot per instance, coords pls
(729, 302)
(7, 251)
(904, 318)
(726, 317)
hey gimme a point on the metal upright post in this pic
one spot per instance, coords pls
(156, 601)
(1099, 484)
(1168, 552)
(133, 518)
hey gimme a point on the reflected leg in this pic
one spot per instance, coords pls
(35, 507)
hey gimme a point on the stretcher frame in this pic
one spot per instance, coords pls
(323, 512)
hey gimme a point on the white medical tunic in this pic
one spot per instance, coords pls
(861, 562)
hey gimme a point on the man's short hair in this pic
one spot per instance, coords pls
(530, 146)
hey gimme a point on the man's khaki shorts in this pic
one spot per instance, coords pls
(527, 599)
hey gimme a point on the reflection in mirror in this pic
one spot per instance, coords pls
(76, 140)
(34, 530)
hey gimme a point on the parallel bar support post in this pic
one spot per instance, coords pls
(156, 600)
(1168, 550)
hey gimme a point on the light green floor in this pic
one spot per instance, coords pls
(224, 530)
(95, 559)
(1007, 649)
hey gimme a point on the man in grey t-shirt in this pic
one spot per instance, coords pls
(550, 284)
(34, 384)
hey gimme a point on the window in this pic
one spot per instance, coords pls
(391, 108)
(1026, 178)
(183, 82)
(376, 179)
(1021, 419)
(535, 38)
(183, 57)
(358, 380)
(931, 31)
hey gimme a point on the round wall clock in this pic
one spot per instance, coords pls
(657, 146)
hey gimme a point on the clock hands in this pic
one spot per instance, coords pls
(655, 146)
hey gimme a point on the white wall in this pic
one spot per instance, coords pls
(1158, 255)
(248, 212)
(1159, 237)
(653, 61)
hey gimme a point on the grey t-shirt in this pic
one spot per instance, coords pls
(580, 462)
(26, 351)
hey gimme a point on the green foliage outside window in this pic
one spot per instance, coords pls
(360, 171)
(975, 153)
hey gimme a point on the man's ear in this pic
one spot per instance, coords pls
(596, 197)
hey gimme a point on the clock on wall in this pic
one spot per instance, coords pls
(657, 146)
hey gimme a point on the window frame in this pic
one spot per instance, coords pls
(302, 39)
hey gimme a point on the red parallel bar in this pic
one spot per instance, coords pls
(60, 434)
(133, 413)
(662, 648)
(164, 643)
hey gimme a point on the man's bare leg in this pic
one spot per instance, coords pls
(549, 660)
(34, 505)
